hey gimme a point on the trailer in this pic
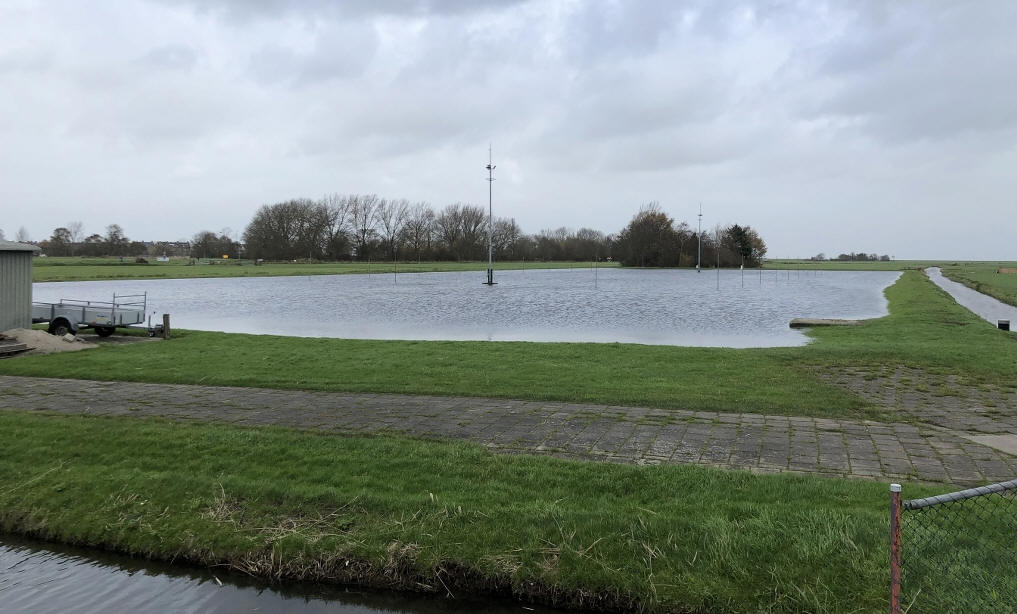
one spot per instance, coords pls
(68, 316)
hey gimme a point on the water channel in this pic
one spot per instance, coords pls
(49, 578)
(661, 307)
(980, 304)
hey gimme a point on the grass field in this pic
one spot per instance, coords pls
(91, 269)
(403, 513)
(296, 505)
(984, 278)
(925, 329)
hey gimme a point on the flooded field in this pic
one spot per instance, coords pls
(660, 307)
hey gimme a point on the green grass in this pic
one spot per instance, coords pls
(89, 269)
(982, 276)
(925, 329)
(398, 512)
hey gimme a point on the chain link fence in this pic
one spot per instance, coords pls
(955, 552)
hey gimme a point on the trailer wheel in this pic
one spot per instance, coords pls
(104, 331)
(60, 327)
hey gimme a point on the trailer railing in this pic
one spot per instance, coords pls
(121, 303)
(955, 552)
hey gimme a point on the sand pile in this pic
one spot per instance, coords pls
(45, 343)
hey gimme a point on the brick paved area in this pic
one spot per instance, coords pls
(928, 452)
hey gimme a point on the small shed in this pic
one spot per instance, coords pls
(16, 284)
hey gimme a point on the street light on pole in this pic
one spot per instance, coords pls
(699, 238)
(490, 220)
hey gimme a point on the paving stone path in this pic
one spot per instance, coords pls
(763, 443)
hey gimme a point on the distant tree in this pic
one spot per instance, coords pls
(336, 229)
(418, 230)
(207, 244)
(391, 221)
(649, 239)
(745, 244)
(59, 243)
(93, 245)
(2, 237)
(77, 230)
(364, 219)
(505, 238)
(22, 236)
(116, 241)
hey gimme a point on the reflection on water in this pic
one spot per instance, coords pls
(43, 578)
(982, 305)
(663, 307)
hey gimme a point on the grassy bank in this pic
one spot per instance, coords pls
(978, 275)
(92, 269)
(982, 276)
(925, 329)
(426, 516)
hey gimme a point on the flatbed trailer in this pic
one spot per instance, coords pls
(69, 316)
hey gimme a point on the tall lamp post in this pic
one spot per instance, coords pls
(490, 220)
(699, 237)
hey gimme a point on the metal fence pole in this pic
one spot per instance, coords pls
(894, 548)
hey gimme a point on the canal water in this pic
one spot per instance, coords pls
(980, 304)
(46, 578)
(660, 307)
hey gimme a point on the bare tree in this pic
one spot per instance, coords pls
(77, 230)
(419, 228)
(338, 211)
(505, 237)
(22, 236)
(392, 218)
(2, 238)
(474, 233)
(364, 218)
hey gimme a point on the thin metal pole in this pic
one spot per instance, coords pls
(699, 238)
(490, 219)
(895, 549)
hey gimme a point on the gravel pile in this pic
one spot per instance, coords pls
(45, 343)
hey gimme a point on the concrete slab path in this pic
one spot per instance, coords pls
(763, 443)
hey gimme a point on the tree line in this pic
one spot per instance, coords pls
(852, 257)
(365, 227)
(70, 240)
(654, 239)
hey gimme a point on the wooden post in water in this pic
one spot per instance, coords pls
(165, 326)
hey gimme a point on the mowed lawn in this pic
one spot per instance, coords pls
(401, 513)
(925, 329)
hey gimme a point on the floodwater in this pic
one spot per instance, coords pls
(982, 305)
(43, 578)
(659, 307)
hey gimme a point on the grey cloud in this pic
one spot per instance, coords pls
(335, 53)
(170, 57)
(913, 74)
(245, 10)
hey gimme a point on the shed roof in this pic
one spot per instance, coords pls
(13, 246)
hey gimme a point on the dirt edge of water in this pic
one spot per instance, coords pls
(399, 573)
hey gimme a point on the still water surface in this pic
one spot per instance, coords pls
(43, 578)
(665, 307)
(980, 304)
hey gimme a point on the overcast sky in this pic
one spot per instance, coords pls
(886, 127)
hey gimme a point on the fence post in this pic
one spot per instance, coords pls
(894, 548)
(165, 326)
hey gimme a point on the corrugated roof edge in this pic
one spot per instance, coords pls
(13, 246)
